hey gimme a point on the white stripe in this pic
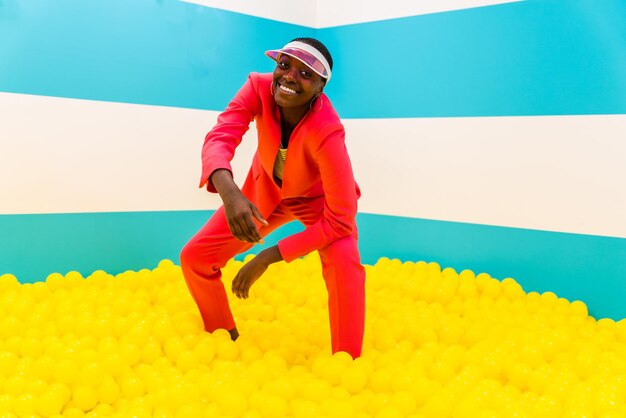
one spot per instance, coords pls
(557, 173)
(67, 155)
(346, 12)
(299, 13)
(327, 13)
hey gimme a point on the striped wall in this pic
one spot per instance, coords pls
(484, 136)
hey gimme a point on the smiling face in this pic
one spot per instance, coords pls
(295, 84)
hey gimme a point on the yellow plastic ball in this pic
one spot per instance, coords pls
(305, 408)
(442, 371)
(404, 401)
(151, 351)
(337, 407)
(8, 282)
(65, 371)
(492, 288)
(268, 405)
(227, 350)
(173, 347)
(85, 397)
(248, 354)
(73, 412)
(389, 412)
(163, 329)
(130, 353)
(25, 405)
(354, 379)
(579, 309)
(131, 386)
(108, 391)
(334, 370)
(90, 374)
(316, 390)
(232, 403)
(8, 363)
(50, 403)
(190, 411)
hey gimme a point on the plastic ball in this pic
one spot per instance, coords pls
(50, 403)
(227, 350)
(389, 412)
(354, 379)
(131, 386)
(85, 398)
(65, 371)
(90, 374)
(316, 390)
(268, 405)
(25, 405)
(232, 403)
(108, 391)
(73, 412)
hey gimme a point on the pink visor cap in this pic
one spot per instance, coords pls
(305, 53)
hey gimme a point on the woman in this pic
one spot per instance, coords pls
(301, 171)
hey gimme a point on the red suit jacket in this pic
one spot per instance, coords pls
(317, 163)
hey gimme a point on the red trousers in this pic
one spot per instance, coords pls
(208, 251)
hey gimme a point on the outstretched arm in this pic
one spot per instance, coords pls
(253, 269)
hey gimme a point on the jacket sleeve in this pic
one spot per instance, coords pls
(220, 143)
(340, 201)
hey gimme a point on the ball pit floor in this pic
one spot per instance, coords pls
(438, 343)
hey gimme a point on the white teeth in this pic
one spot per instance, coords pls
(286, 89)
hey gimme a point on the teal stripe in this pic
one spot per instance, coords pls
(33, 246)
(528, 58)
(589, 268)
(163, 52)
(558, 57)
(575, 266)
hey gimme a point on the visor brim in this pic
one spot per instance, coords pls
(304, 57)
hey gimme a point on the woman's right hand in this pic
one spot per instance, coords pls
(240, 212)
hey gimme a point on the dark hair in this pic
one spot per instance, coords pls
(319, 46)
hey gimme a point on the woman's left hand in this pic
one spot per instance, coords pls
(246, 277)
(254, 269)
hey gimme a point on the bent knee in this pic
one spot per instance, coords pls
(190, 254)
(194, 258)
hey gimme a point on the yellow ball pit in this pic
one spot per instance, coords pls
(437, 344)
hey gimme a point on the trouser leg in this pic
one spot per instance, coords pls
(201, 261)
(345, 281)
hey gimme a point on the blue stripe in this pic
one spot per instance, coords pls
(142, 51)
(564, 57)
(528, 58)
(589, 268)
(574, 266)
